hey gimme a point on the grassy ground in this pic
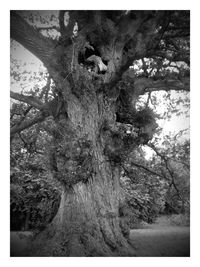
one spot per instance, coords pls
(19, 242)
(167, 241)
(168, 237)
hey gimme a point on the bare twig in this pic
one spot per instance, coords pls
(171, 173)
(149, 98)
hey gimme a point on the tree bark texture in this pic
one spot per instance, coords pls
(87, 222)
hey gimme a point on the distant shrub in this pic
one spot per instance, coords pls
(180, 219)
(175, 220)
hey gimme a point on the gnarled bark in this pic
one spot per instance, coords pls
(87, 222)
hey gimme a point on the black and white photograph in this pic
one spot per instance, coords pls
(100, 133)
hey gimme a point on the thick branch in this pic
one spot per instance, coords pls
(168, 85)
(51, 108)
(33, 101)
(139, 34)
(31, 39)
(28, 123)
(143, 85)
(118, 76)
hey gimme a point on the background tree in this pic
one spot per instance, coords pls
(159, 184)
(34, 194)
(89, 108)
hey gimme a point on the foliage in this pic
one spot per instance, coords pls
(34, 202)
(34, 195)
(145, 193)
(159, 184)
(173, 160)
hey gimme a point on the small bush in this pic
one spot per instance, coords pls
(174, 220)
(180, 220)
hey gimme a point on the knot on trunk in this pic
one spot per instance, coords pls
(72, 161)
(123, 137)
(119, 142)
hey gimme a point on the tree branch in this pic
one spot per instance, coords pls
(27, 124)
(168, 84)
(49, 28)
(24, 114)
(173, 57)
(143, 85)
(148, 99)
(33, 101)
(31, 39)
(171, 173)
(61, 22)
(139, 35)
(45, 90)
(147, 169)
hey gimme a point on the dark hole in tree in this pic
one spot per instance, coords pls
(82, 58)
(105, 62)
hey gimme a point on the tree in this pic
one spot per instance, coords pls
(92, 114)
(159, 184)
(145, 189)
(34, 196)
(174, 161)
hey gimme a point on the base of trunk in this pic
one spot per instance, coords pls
(76, 245)
(84, 245)
(84, 228)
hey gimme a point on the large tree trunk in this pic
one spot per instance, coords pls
(87, 222)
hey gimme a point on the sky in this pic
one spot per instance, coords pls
(27, 62)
